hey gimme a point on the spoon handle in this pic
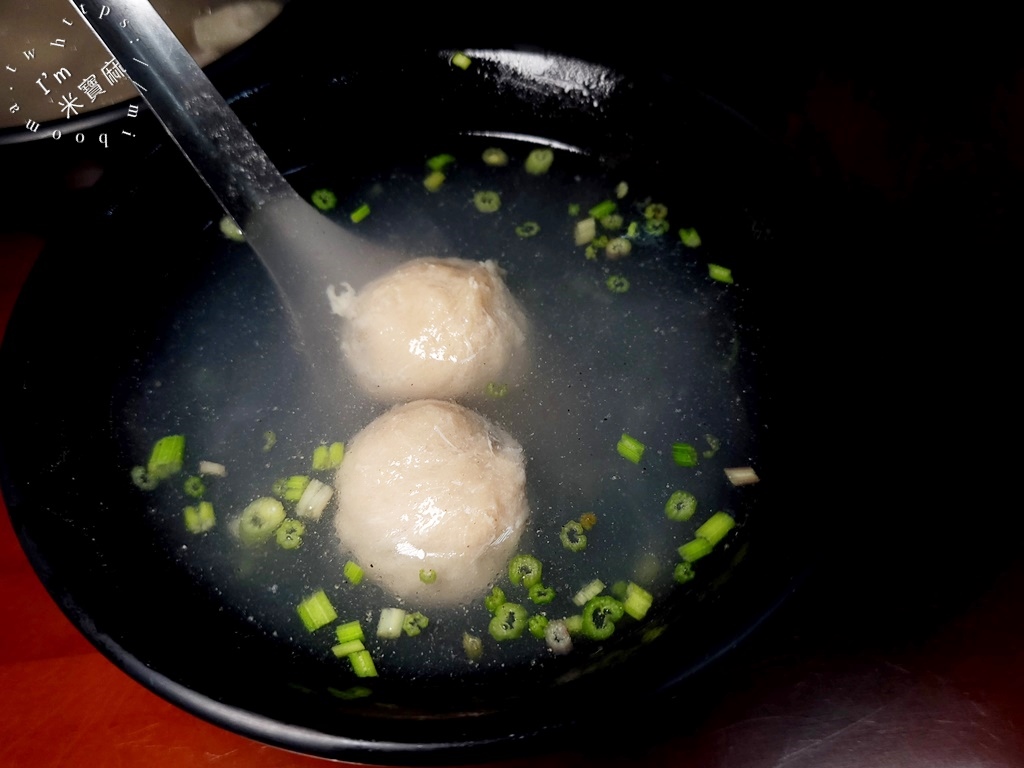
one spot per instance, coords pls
(195, 115)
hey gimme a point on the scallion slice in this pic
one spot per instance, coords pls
(680, 506)
(487, 201)
(716, 527)
(362, 664)
(359, 213)
(541, 595)
(352, 572)
(314, 500)
(508, 623)
(200, 518)
(440, 162)
(558, 637)
(259, 520)
(638, 601)
(495, 157)
(461, 60)
(194, 486)
(689, 237)
(720, 273)
(324, 199)
(495, 600)
(694, 550)
(599, 617)
(683, 573)
(472, 646)
(525, 570)
(630, 448)
(390, 624)
(316, 611)
(414, 623)
(428, 575)
(350, 630)
(742, 475)
(572, 536)
(434, 181)
(684, 454)
(539, 161)
(588, 592)
(289, 534)
(166, 458)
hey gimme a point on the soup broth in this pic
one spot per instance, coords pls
(661, 360)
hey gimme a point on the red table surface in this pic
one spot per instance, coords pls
(951, 698)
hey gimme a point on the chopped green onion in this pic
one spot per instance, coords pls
(630, 448)
(638, 601)
(621, 189)
(655, 226)
(720, 273)
(362, 664)
(612, 221)
(291, 488)
(590, 253)
(194, 486)
(694, 550)
(324, 199)
(328, 456)
(680, 506)
(618, 248)
(350, 630)
(316, 611)
(584, 231)
(496, 389)
(574, 623)
(289, 534)
(487, 201)
(461, 60)
(414, 623)
(588, 520)
(689, 237)
(557, 635)
(742, 475)
(656, 212)
(166, 458)
(541, 595)
(269, 440)
(390, 624)
(528, 229)
(321, 458)
(684, 454)
(495, 600)
(539, 161)
(199, 519)
(537, 625)
(213, 469)
(231, 230)
(600, 615)
(715, 527)
(683, 573)
(633, 229)
(472, 646)
(259, 520)
(434, 181)
(359, 213)
(495, 156)
(341, 650)
(428, 576)
(714, 444)
(617, 284)
(574, 209)
(314, 500)
(142, 479)
(604, 208)
(589, 591)
(352, 572)
(439, 162)
(525, 570)
(508, 623)
(572, 536)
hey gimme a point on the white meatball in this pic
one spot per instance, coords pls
(433, 328)
(432, 485)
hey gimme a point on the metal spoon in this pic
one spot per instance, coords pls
(302, 249)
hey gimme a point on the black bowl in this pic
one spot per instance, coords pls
(81, 407)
